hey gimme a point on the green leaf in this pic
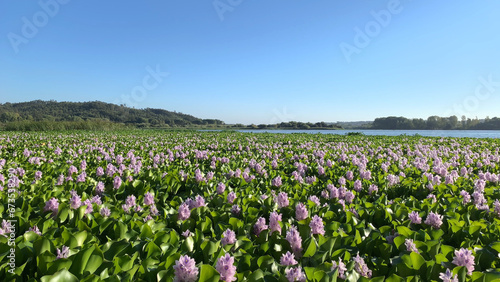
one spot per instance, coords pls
(257, 275)
(62, 276)
(311, 249)
(188, 245)
(417, 260)
(81, 259)
(208, 273)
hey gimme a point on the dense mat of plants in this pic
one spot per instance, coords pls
(232, 206)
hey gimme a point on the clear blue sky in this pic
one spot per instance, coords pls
(257, 61)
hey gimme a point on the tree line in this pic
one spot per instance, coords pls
(436, 123)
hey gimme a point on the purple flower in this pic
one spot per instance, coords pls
(274, 220)
(361, 267)
(52, 205)
(316, 225)
(185, 269)
(496, 208)
(235, 209)
(372, 189)
(448, 276)
(6, 228)
(153, 210)
(63, 252)
(72, 169)
(288, 259)
(105, 212)
(130, 201)
(410, 246)
(100, 172)
(186, 233)
(38, 175)
(260, 226)
(75, 202)
(466, 196)
(225, 267)
(231, 197)
(415, 218)
(99, 188)
(349, 196)
(276, 182)
(295, 274)
(315, 200)
(89, 209)
(117, 182)
(434, 219)
(358, 186)
(293, 237)
(283, 200)
(229, 237)
(341, 267)
(35, 229)
(149, 199)
(464, 257)
(81, 178)
(220, 188)
(301, 212)
(184, 211)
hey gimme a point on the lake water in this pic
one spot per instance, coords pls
(431, 133)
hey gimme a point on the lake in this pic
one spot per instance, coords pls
(431, 133)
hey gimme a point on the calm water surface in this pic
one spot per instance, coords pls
(431, 133)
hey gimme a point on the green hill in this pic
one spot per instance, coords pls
(36, 112)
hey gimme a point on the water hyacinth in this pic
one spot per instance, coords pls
(105, 212)
(410, 246)
(301, 212)
(415, 217)
(231, 197)
(464, 257)
(117, 182)
(276, 182)
(220, 188)
(99, 188)
(448, 276)
(316, 225)
(184, 212)
(361, 267)
(295, 274)
(63, 252)
(435, 220)
(52, 205)
(225, 267)
(274, 222)
(229, 237)
(185, 269)
(148, 199)
(34, 229)
(283, 200)
(235, 209)
(259, 226)
(75, 202)
(288, 259)
(341, 268)
(293, 237)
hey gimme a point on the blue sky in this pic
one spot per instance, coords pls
(257, 61)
